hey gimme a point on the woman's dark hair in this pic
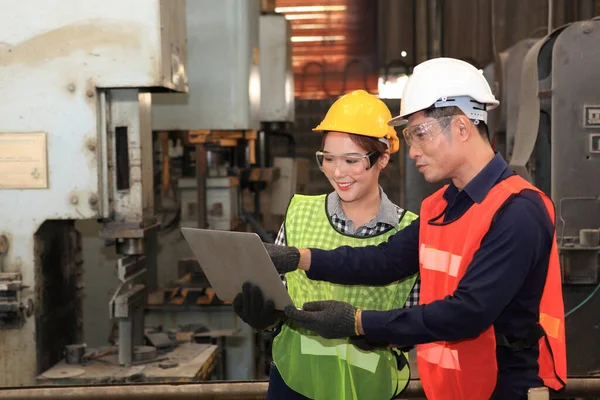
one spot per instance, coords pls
(370, 144)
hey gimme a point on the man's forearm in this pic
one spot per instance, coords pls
(396, 259)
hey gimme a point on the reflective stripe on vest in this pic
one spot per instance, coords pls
(321, 368)
(453, 370)
(439, 354)
(438, 260)
(318, 346)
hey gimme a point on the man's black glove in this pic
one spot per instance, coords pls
(286, 259)
(252, 308)
(331, 319)
(367, 345)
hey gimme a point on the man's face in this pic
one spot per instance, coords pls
(432, 146)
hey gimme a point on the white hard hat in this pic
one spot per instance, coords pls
(446, 82)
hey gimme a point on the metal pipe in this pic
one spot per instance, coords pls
(220, 390)
(161, 391)
(103, 139)
(421, 31)
(201, 173)
(196, 391)
(576, 387)
(126, 341)
(550, 15)
(579, 387)
(434, 25)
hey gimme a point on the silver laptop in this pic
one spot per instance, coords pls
(228, 259)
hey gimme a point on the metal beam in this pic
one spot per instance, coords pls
(213, 391)
(576, 387)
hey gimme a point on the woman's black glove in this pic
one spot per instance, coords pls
(254, 310)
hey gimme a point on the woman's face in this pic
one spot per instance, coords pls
(346, 170)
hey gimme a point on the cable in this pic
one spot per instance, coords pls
(364, 71)
(578, 306)
(321, 67)
(562, 237)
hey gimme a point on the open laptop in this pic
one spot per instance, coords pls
(228, 259)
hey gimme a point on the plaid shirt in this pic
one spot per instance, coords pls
(388, 216)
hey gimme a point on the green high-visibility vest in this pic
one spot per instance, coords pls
(332, 369)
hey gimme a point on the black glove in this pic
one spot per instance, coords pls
(252, 308)
(286, 259)
(367, 345)
(331, 319)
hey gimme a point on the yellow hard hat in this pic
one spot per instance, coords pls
(360, 113)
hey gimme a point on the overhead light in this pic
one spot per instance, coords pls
(310, 26)
(305, 9)
(297, 39)
(304, 16)
(392, 88)
(403, 53)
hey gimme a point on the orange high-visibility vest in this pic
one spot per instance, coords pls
(467, 369)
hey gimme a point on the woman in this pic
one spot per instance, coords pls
(356, 147)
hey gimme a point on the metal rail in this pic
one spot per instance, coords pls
(576, 387)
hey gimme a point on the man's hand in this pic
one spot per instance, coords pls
(252, 308)
(330, 319)
(286, 259)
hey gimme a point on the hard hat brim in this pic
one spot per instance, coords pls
(397, 121)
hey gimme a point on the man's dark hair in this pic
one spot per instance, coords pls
(433, 112)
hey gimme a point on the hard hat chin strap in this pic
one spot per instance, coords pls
(473, 109)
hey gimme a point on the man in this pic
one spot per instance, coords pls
(490, 323)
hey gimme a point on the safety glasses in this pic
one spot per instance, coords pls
(349, 163)
(421, 134)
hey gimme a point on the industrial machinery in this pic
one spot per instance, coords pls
(216, 123)
(220, 115)
(277, 113)
(506, 84)
(76, 144)
(226, 125)
(550, 93)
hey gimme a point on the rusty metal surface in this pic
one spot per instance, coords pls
(128, 230)
(130, 160)
(89, 47)
(3, 244)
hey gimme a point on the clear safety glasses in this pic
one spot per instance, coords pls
(421, 134)
(348, 163)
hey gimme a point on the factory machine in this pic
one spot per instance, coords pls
(216, 123)
(548, 129)
(91, 94)
(225, 124)
(277, 114)
(76, 144)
